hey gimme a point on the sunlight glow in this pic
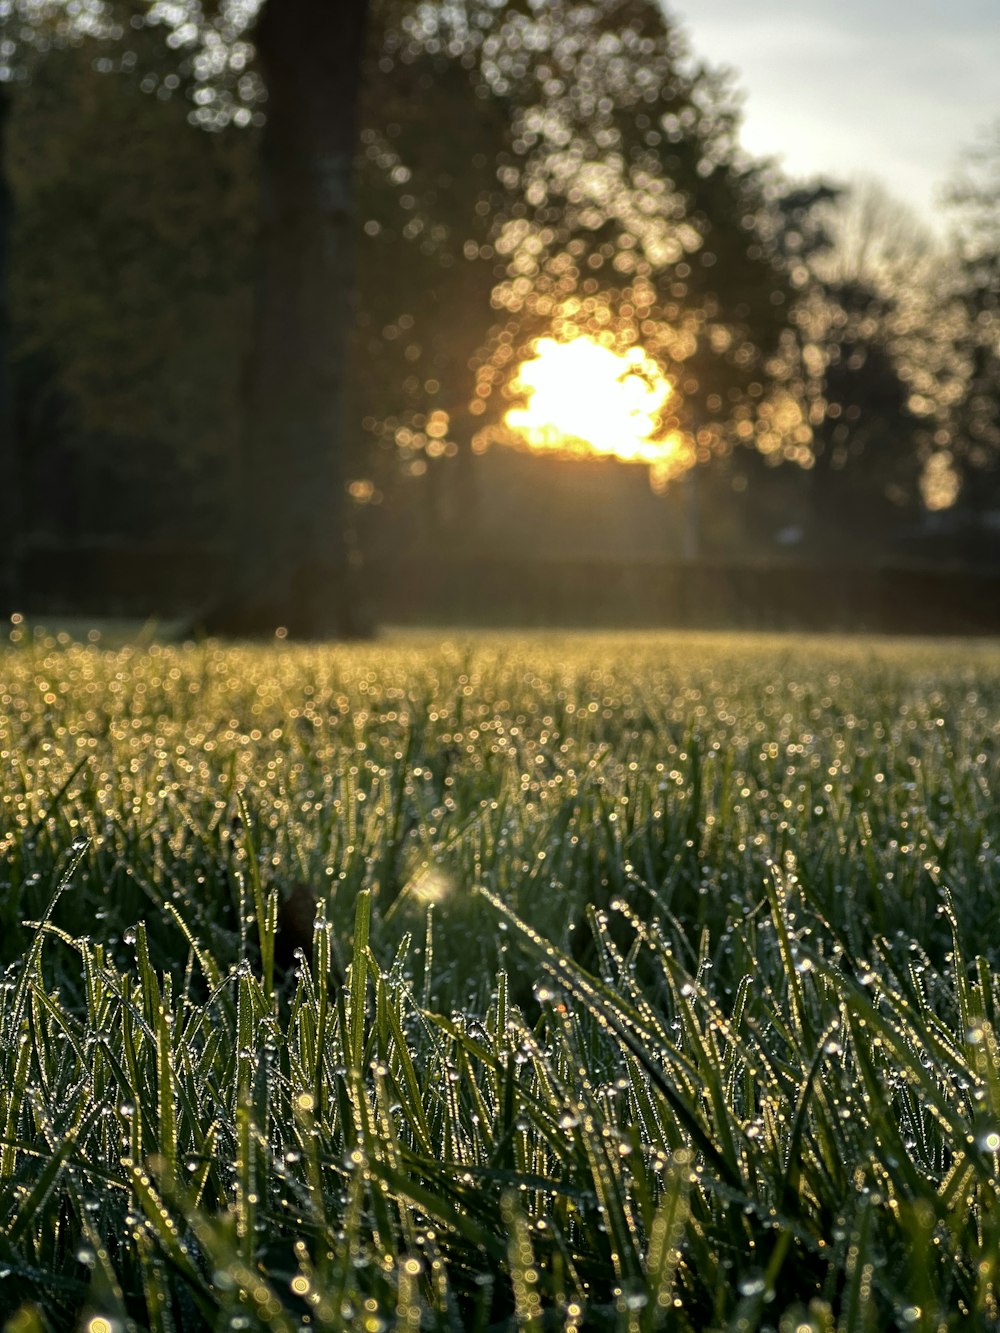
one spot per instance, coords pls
(586, 400)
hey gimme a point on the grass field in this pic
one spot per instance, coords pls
(653, 983)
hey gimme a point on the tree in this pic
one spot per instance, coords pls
(974, 197)
(143, 311)
(530, 178)
(430, 199)
(8, 456)
(28, 30)
(638, 218)
(291, 566)
(872, 360)
(129, 332)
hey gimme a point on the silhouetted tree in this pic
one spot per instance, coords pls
(10, 518)
(27, 28)
(291, 562)
(975, 200)
(142, 313)
(872, 361)
(638, 219)
(431, 204)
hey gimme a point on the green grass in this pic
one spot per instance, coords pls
(653, 984)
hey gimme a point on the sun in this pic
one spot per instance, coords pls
(585, 400)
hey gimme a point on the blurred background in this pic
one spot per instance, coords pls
(501, 313)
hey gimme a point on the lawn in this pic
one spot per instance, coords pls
(622, 982)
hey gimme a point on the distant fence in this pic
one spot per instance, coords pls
(162, 582)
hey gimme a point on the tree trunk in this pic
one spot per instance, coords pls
(291, 565)
(10, 523)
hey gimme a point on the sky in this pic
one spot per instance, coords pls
(894, 89)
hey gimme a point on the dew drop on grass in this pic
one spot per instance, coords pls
(635, 1297)
(752, 1284)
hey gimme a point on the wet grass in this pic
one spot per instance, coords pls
(653, 983)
